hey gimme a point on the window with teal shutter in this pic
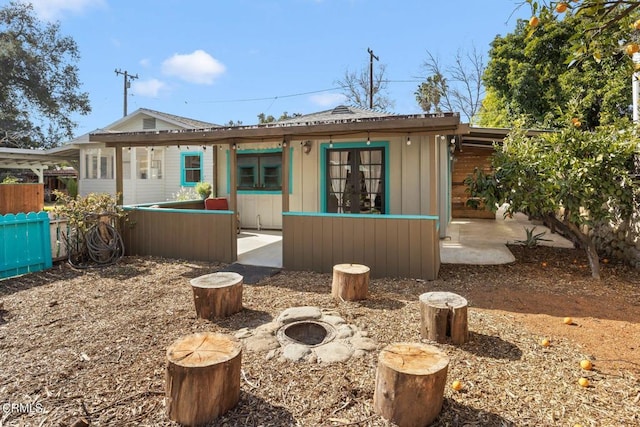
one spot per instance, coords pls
(191, 169)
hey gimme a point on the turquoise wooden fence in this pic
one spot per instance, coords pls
(24, 243)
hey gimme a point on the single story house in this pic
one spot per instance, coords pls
(343, 185)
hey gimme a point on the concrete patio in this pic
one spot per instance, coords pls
(469, 241)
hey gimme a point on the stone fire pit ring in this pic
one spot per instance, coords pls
(308, 334)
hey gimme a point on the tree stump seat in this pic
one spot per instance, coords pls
(410, 382)
(202, 379)
(217, 294)
(444, 317)
(350, 282)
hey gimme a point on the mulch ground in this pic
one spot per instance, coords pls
(91, 343)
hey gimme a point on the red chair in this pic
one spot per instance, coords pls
(216, 204)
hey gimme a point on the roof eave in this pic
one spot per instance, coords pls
(380, 126)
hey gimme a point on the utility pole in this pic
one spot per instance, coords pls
(127, 84)
(371, 57)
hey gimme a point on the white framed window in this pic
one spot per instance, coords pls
(149, 163)
(99, 163)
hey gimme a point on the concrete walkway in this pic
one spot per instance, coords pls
(469, 241)
(483, 241)
(260, 247)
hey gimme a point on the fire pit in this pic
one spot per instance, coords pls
(311, 333)
(308, 334)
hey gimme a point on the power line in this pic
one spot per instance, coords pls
(292, 95)
(266, 98)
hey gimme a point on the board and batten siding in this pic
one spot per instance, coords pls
(191, 234)
(390, 245)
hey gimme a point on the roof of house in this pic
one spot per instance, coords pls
(339, 114)
(183, 122)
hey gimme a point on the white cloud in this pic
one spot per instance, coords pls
(150, 88)
(197, 67)
(328, 99)
(146, 62)
(51, 10)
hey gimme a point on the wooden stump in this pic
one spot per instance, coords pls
(217, 294)
(350, 282)
(410, 381)
(444, 317)
(202, 377)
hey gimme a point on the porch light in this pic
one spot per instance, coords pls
(368, 139)
(204, 148)
(452, 146)
(331, 142)
(408, 139)
(306, 147)
(233, 147)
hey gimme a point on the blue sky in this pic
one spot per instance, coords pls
(231, 60)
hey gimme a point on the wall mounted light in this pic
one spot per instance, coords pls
(234, 146)
(409, 139)
(306, 147)
(452, 145)
(204, 148)
(331, 142)
(368, 139)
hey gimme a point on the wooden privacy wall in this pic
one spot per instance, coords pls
(16, 198)
(24, 243)
(465, 162)
(190, 234)
(391, 245)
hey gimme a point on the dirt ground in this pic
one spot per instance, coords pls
(91, 344)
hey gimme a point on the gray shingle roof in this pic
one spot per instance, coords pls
(187, 122)
(339, 114)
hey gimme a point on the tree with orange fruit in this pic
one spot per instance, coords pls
(528, 74)
(570, 179)
(601, 18)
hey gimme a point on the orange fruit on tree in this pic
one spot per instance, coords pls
(534, 21)
(545, 342)
(544, 264)
(561, 7)
(568, 321)
(632, 48)
(456, 385)
(586, 364)
(583, 382)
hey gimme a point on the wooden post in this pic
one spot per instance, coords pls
(444, 317)
(202, 377)
(410, 381)
(217, 294)
(350, 282)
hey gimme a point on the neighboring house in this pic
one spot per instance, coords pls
(150, 173)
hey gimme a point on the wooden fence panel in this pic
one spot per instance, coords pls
(191, 234)
(17, 198)
(25, 245)
(390, 245)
